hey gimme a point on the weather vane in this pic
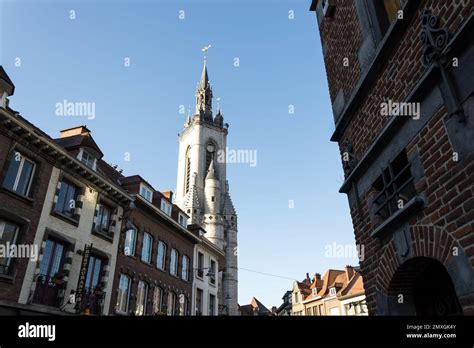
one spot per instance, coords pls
(205, 49)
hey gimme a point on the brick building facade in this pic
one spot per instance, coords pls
(154, 271)
(408, 171)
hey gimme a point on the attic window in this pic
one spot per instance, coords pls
(166, 207)
(88, 159)
(332, 291)
(183, 221)
(146, 193)
(315, 291)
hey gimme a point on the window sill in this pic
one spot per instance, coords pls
(413, 206)
(146, 263)
(17, 195)
(103, 235)
(65, 218)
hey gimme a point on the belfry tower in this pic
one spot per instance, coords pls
(202, 189)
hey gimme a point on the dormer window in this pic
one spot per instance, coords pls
(332, 291)
(166, 207)
(315, 291)
(88, 159)
(146, 192)
(183, 221)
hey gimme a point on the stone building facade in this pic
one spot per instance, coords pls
(401, 87)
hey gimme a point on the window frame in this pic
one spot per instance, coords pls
(77, 193)
(185, 268)
(132, 254)
(144, 300)
(213, 268)
(86, 162)
(168, 207)
(129, 286)
(13, 241)
(146, 189)
(200, 265)
(149, 237)
(19, 173)
(174, 266)
(185, 220)
(165, 249)
(99, 225)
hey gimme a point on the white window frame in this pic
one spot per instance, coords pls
(332, 291)
(160, 242)
(211, 260)
(129, 253)
(174, 266)
(147, 190)
(20, 169)
(150, 247)
(165, 207)
(128, 293)
(185, 270)
(184, 221)
(86, 162)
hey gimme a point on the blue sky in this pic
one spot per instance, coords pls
(137, 109)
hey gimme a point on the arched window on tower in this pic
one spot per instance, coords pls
(187, 170)
(211, 150)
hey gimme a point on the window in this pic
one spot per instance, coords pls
(8, 234)
(174, 262)
(383, 14)
(123, 294)
(187, 170)
(103, 218)
(147, 247)
(142, 295)
(171, 306)
(146, 193)
(88, 159)
(166, 207)
(200, 265)
(184, 268)
(212, 272)
(212, 304)
(332, 291)
(322, 310)
(50, 278)
(183, 221)
(183, 305)
(94, 273)
(315, 291)
(394, 186)
(198, 301)
(19, 174)
(67, 196)
(161, 256)
(157, 300)
(130, 242)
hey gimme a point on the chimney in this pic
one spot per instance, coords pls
(317, 276)
(7, 88)
(169, 195)
(80, 130)
(308, 279)
(349, 272)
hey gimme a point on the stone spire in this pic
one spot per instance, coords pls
(204, 96)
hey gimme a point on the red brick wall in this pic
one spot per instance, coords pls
(15, 205)
(448, 184)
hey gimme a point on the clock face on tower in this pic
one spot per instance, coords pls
(210, 148)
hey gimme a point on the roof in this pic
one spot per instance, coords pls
(77, 141)
(254, 308)
(204, 77)
(4, 76)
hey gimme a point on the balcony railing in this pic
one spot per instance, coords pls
(91, 301)
(47, 290)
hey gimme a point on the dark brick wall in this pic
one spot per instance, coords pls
(138, 270)
(13, 207)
